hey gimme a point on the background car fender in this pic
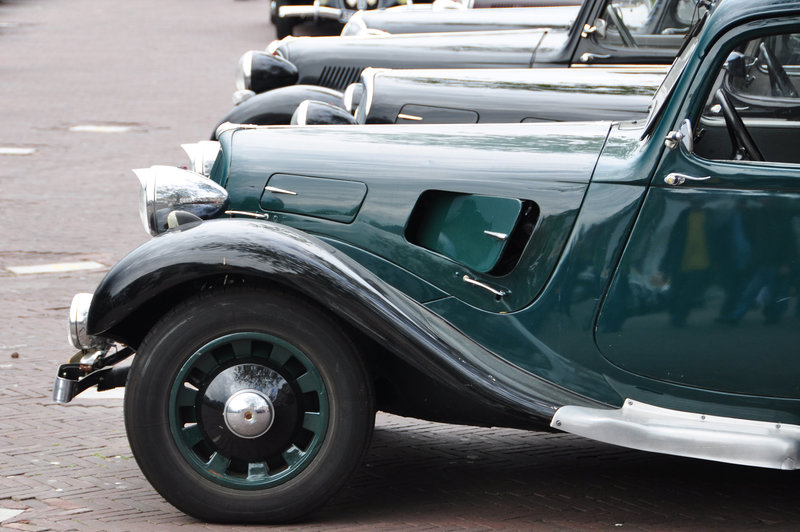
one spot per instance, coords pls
(155, 276)
(275, 107)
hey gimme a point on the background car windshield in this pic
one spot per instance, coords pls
(649, 23)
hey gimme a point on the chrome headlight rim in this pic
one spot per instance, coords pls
(78, 316)
(244, 71)
(352, 96)
(147, 198)
(167, 188)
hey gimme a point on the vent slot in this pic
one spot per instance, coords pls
(338, 78)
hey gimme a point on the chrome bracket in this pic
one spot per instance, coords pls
(251, 214)
(497, 293)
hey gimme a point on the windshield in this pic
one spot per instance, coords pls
(674, 73)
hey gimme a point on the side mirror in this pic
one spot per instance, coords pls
(600, 27)
(683, 136)
(687, 136)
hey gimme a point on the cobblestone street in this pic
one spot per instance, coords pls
(91, 89)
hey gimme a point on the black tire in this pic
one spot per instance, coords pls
(194, 335)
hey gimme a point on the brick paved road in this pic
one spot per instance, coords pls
(164, 69)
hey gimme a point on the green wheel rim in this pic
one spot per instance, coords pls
(227, 365)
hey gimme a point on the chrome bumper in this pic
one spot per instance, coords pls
(312, 12)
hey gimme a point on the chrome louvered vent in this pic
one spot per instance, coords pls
(336, 77)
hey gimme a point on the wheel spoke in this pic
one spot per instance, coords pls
(242, 348)
(293, 455)
(186, 397)
(280, 355)
(257, 471)
(309, 382)
(191, 435)
(312, 421)
(218, 464)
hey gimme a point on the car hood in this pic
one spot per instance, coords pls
(336, 62)
(507, 95)
(365, 185)
(419, 18)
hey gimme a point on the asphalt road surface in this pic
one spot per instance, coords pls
(90, 89)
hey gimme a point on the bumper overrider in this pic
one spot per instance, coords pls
(169, 197)
(94, 363)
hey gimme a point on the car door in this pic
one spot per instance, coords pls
(706, 293)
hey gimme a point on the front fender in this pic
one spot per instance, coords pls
(276, 107)
(303, 263)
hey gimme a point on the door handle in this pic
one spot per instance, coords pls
(676, 179)
(588, 57)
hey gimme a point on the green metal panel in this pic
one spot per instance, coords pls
(470, 229)
(330, 199)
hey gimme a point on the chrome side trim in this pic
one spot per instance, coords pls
(495, 234)
(277, 190)
(250, 214)
(650, 428)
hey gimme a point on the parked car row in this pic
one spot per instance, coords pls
(610, 252)
(272, 83)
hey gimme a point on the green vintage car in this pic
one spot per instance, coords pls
(635, 283)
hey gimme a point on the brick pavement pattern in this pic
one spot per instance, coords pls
(164, 70)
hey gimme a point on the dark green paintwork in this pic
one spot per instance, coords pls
(458, 226)
(604, 301)
(547, 165)
(330, 199)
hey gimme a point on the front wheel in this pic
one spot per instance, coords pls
(248, 406)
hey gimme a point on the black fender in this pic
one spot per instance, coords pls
(269, 252)
(276, 107)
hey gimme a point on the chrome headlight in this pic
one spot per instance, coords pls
(78, 314)
(311, 112)
(167, 188)
(261, 71)
(244, 71)
(202, 154)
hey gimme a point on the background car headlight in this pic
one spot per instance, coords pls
(311, 112)
(202, 154)
(261, 71)
(167, 188)
(243, 71)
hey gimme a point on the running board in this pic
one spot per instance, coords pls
(651, 428)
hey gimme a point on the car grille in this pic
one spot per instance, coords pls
(339, 77)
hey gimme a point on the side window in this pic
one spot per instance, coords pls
(647, 23)
(753, 109)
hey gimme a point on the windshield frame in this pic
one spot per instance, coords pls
(675, 72)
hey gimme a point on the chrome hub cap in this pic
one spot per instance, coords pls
(248, 414)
